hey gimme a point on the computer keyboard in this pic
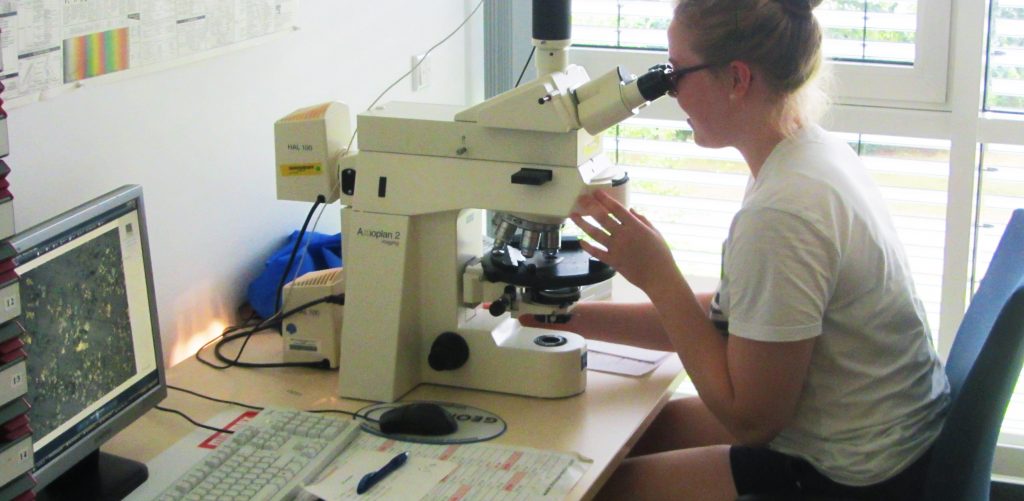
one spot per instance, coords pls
(269, 458)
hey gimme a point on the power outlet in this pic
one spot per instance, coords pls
(420, 77)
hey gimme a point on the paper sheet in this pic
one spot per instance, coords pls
(486, 471)
(413, 480)
(623, 359)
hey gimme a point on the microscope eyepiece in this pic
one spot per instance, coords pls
(618, 95)
(656, 82)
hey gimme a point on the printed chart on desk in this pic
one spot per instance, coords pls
(475, 471)
(48, 44)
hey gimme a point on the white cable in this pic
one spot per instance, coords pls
(335, 189)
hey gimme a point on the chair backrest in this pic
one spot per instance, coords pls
(983, 366)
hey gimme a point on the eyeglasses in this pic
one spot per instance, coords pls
(678, 73)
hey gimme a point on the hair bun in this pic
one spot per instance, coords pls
(799, 8)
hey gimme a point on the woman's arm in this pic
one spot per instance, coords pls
(636, 324)
(752, 387)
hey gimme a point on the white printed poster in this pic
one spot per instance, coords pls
(47, 44)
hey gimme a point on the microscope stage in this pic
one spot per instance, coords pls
(573, 267)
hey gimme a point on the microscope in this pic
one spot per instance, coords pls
(425, 302)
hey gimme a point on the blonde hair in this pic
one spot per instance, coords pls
(780, 37)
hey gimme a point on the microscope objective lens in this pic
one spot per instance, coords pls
(531, 240)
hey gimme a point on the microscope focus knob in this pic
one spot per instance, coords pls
(449, 352)
(498, 307)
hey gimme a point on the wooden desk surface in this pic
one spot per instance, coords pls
(602, 424)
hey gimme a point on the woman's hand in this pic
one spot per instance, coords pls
(628, 241)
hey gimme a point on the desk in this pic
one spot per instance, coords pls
(602, 424)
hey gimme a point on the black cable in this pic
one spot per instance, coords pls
(340, 299)
(527, 65)
(227, 330)
(353, 414)
(295, 250)
(278, 304)
(272, 322)
(200, 395)
(251, 320)
(232, 402)
(193, 421)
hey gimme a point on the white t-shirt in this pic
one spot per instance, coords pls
(813, 252)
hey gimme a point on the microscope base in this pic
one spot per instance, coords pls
(519, 360)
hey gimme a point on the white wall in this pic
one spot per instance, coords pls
(199, 139)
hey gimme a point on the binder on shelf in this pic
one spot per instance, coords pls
(12, 350)
(10, 301)
(15, 429)
(15, 459)
(6, 218)
(7, 273)
(5, 145)
(11, 329)
(14, 409)
(13, 380)
(6, 210)
(19, 489)
(7, 251)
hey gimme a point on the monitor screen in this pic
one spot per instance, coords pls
(94, 359)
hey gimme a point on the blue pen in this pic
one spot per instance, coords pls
(371, 479)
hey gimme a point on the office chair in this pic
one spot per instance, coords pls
(983, 366)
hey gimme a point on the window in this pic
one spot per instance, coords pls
(1001, 190)
(860, 31)
(626, 24)
(855, 30)
(691, 193)
(1005, 75)
(878, 47)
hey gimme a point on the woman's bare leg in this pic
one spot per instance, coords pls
(683, 423)
(702, 473)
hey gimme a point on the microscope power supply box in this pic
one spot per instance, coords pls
(313, 334)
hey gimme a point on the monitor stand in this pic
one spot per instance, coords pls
(99, 476)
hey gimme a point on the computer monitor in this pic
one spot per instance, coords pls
(94, 359)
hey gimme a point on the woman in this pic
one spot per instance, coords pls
(813, 359)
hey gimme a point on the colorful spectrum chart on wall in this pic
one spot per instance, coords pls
(95, 54)
(48, 45)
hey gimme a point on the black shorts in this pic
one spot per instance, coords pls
(758, 470)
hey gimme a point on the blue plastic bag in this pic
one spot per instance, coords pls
(321, 252)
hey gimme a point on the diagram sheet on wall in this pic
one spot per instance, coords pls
(49, 44)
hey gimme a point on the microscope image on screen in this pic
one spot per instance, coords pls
(78, 330)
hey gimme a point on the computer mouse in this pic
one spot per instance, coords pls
(419, 418)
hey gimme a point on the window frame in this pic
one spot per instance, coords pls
(924, 84)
